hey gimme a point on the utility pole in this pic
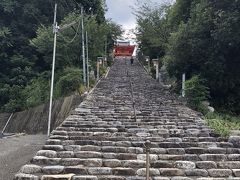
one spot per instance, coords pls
(83, 50)
(87, 60)
(106, 47)
(55, 30)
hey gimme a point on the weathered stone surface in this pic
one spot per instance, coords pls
(53, 169)
(196, 172)
(234, 157)
(170, 157)
(90, 148)
(134, 163)
(217, 150)
(184, 165)
(235, 140)
(152, 157)
(176, 151)
(111, 178)
(124, 171)
(207, 144)
(162, 164)
(136, 150)
(42, 160)
(213, 157)
(180, 178)
(22, 176)
(53, 147)
(57, 177)
(211, 178)
(171, 172)
(100, 171)
(158, 151)
(88, 154)
(229, 164)
(70, 161)
(30, 169)
(112, 163)
(190, 157)
(47, 153)
(84, 178)
(219, 172)
(65, 154)
(236, 172)
(195, 150)
(72, 148)
(161, 178)
(75, 169)
(126, 156)
(206, 164)
(109, 155)
(92, 162)
(152, 172)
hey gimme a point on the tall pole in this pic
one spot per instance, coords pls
(157, 71)
(83, 50)
(106, 47)
(87, 60)
(183, 84)
(55, 29)
(98, 70)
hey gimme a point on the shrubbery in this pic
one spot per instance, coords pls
(69, 82)
(196, 93)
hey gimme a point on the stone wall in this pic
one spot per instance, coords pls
(35, 120)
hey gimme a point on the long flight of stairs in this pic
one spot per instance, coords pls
(104, 138)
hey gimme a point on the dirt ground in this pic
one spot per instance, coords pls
(18, 151)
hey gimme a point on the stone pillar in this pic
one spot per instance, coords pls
(156, 64)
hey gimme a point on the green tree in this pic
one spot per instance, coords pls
(208, 44)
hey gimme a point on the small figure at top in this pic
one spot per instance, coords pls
(131, 60)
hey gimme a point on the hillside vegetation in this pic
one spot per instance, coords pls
(200, 38)
(26, 46)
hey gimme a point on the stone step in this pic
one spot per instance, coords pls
(104, 140)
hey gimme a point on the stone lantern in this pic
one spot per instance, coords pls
(156, 65)
(99, 62)
(148, 61)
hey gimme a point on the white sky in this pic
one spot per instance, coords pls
(120, 11)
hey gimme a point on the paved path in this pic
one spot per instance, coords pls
(17, 151)
(104, 139)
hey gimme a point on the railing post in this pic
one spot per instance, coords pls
(148, 61)
(183, 84)
(99, 62)
(147, 144)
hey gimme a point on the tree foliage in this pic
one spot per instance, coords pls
(203, 39)
(26, 45)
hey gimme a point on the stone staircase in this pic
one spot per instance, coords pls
(104, 138)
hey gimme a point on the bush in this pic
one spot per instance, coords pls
(16, 99)
(69, 82)
(102, 70)
(222, 124)
(196, 93)
(38, 90)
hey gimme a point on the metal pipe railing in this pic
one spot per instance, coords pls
(4, 128)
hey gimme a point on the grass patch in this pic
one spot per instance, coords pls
(222, 124)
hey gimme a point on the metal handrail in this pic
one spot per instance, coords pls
(6, 124)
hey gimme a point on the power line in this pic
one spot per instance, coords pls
(69, 42)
